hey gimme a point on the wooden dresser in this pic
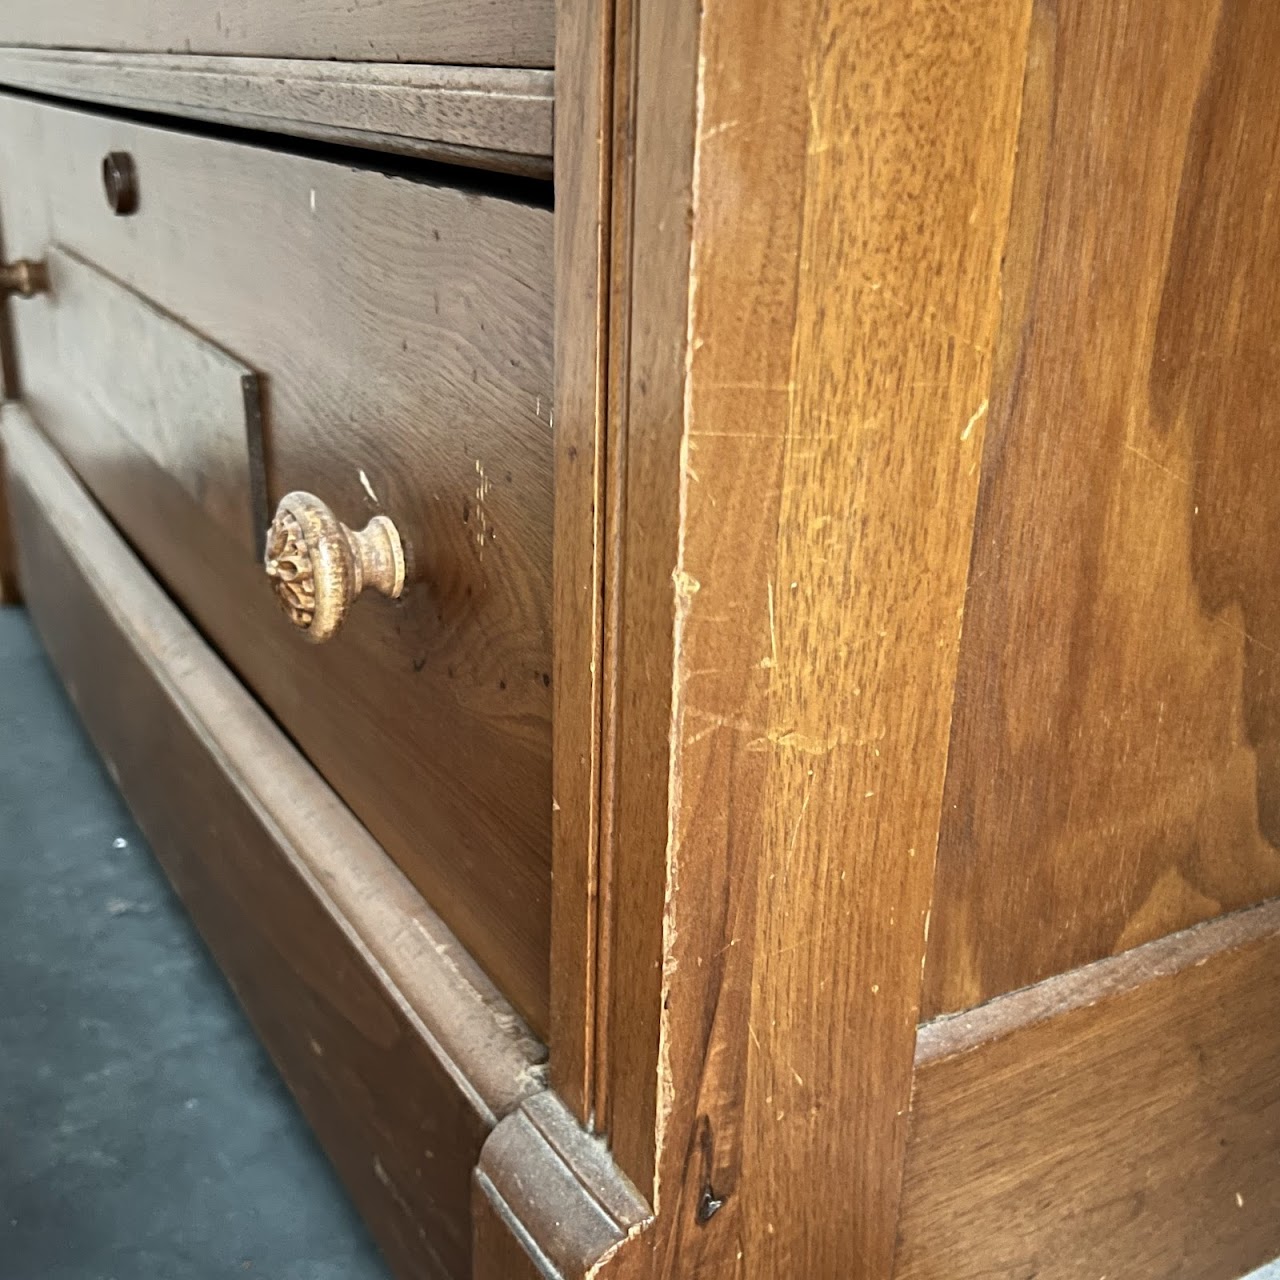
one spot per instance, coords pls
(687, 594)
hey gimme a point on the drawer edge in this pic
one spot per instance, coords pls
(400, 1052)
(484, 117)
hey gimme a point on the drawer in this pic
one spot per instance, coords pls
(270, 321)
(500, 33)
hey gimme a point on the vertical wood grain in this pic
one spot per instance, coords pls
(808, 372)
(583, 197)
(1115, 769)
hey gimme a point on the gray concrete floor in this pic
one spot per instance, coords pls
(144, 1134)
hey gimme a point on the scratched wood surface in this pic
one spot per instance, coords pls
(801, 382)
(1115, 764)
(402, 331)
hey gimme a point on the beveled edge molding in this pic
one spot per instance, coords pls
(954, 1034)
(555, 1190)
(483, 117)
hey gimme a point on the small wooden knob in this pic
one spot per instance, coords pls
(318, 566)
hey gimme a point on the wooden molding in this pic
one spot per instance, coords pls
(490, 117)
(583, 290)
(553, 1190)
(1122, 1119)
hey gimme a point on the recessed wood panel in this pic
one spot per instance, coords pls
(167, 388)
(402, 334)
(1115, 763)
(1122, 1120)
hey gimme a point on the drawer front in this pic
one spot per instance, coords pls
(395, 339)
(500, 33)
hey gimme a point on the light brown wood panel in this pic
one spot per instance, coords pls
(502, 33)
(402, 331)
(492, 117)
(401, 1053)
(1123, 1120)
(795, 392)
(1115, 765)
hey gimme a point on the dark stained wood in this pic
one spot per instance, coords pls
(515, 33)
(492, 117)
(503, 1250)
(1115, 769)
(582, 297)
(403, 334)
(1122, 1121)
(401, 1053)
(166, 386)
(801, 397)
(550, 1201)
(9, 589)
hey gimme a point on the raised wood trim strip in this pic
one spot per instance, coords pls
(555, 1192)
(960, 1033)
(583, 184)
(1126, 1123)
(400, 1051)
(494, 117)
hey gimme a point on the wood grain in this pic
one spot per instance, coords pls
(499, 33)
(583, 191)
(403, 334)
(801, 395)
(10, 592)
(492, 117)
(1115, 768)
(400, 1052)
(182, 386)
(1120, 1121)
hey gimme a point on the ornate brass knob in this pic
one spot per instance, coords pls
(23, 277)
(318, 566)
